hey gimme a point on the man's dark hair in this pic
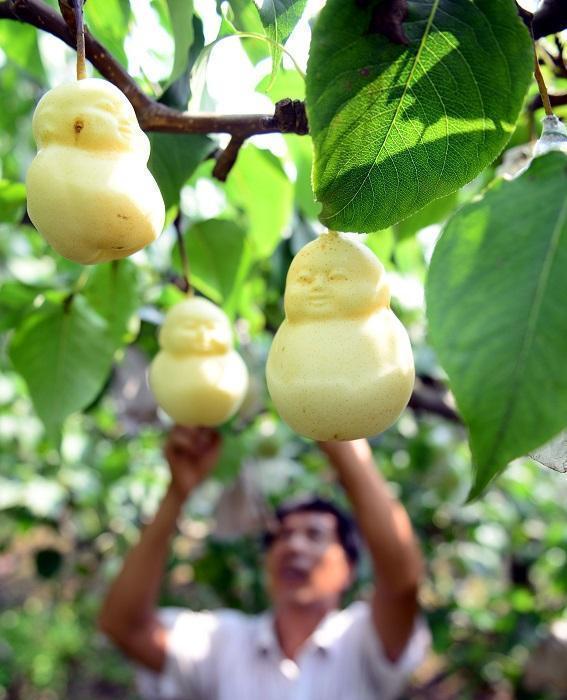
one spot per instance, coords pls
(347, 530)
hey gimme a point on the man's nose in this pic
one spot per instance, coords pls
(298, 542)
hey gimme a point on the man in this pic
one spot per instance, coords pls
(305, 649)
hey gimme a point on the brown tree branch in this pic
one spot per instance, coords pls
(227, 158)
(152, 115)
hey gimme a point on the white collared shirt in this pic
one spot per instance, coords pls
(227, 655)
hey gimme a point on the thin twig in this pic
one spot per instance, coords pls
(541, 85)
(227, 158)
(188, 289)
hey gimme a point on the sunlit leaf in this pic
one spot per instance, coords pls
(397, 126)
(279, 18)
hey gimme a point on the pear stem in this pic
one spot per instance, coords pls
(542, 87)
(80, 26)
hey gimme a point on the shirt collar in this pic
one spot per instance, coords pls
(328, 630)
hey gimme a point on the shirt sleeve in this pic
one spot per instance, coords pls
(389, 676)
(188, 657)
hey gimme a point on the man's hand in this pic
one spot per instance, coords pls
(192, 453)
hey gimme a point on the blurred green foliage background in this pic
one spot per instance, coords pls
(73, 500)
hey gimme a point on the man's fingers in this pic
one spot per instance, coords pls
(193, 440)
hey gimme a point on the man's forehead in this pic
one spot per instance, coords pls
(309, 518)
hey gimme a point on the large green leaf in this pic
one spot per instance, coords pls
(112, 291)
(496, 306)
(19, 43)
(181, 13)
(396, 126)
(108, 21)
(173, 159)
(279, 18)
(64, 352)
(258, 185)
(219, 258)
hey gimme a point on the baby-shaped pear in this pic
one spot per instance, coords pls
(89, 191)
(197, 377)
(340, 366)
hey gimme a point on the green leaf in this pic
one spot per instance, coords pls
(258, 185)
(173, 159)
(64, 352)
(181, 13)
(432, 213)
(301, 150)
(288, 83)
(396, 126)
(108, 21)
(112, 291)
(15, 301)
(178, 94)
(279, 18)
(19, 42)
(496, 295)
(243, 16)
(219, 258)
(12, 201)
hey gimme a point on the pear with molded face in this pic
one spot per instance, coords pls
(197, 377)
(89, 191)
(340, 366)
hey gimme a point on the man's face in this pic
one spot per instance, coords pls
(306, 563)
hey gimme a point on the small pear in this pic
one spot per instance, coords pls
(89, 191)
(197, 377)
(340, 366)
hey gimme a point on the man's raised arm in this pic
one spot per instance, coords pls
(128, 615)
(387, 530)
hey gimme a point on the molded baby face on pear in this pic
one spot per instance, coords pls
(196, 327)
(91, 114)
(334, 277)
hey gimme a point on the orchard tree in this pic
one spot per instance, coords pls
(406, 104)
(414, 125)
